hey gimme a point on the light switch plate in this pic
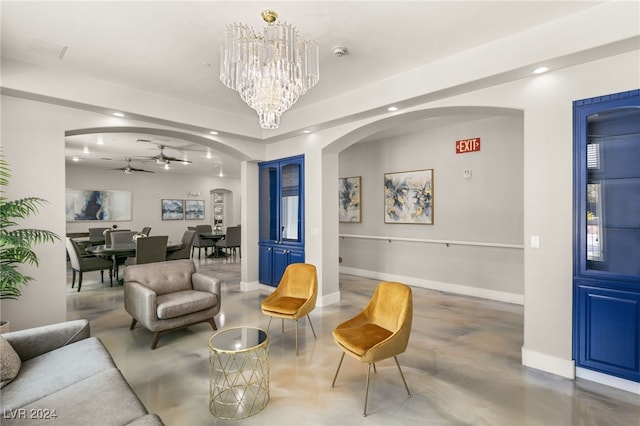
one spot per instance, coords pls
(535, 241)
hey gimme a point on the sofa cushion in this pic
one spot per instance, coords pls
(9, 363)
(104, 398)
(162, 277)
(174, 305)
(56, 370)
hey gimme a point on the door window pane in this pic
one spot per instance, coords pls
(613, 191)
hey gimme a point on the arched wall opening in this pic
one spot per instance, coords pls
(475, 244)
(149, 190)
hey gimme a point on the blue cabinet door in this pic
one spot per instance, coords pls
(265, 265)
(281, 217)
(609, 339)
(607, 234)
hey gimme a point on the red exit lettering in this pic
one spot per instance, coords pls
(467, 145)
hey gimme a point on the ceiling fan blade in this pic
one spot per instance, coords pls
(141, 170)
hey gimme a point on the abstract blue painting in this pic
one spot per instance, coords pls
(349, 199)
(408, 197)
(97, 205)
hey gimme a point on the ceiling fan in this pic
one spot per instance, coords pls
(128, 169)
(165, 159)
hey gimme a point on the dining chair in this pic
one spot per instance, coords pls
(231, 241)
(201, 243)
(120, 236)
(96, 235)
(107, 234)
(146, 230)
(185, 251)
(379, 332)
(294, 297)
(149, 250)
(81, 264)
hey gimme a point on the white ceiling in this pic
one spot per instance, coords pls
(171, 49)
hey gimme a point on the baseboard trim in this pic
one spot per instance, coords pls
(607, 380)
(254, 285)
(329, 299)
(483, 293)
(550, 364)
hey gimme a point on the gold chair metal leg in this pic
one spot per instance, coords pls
(296, 337)
(314, 332)
(282, 325)
(402, 375)
(374, 368)
(269, 325)
(366, 393)
(333, 384)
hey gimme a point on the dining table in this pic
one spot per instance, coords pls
(127, 249)
(216, 252)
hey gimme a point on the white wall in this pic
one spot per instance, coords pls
(488, 208)
(33, 145)
(147, 192)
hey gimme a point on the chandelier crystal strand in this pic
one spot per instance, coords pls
(271, 71)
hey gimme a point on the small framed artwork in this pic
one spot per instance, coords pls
(349, 199)
(218, 197)
(218, 209)
(408, 197)
(194, 209)
(172, 209)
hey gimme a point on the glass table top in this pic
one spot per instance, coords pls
(238, 339)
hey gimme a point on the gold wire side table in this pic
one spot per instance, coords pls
(238, 372)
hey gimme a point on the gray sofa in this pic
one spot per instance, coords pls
(68, 374)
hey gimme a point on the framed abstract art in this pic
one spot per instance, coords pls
(172, 209)
(100, 205)
(349, 199)
(194, 209)
(408, 197)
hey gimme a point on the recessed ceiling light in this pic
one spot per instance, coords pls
(540, 70)
(392, 109)
(306, 131)
(85, 150)
(209, 155)
(74, 158)
(213, 132)
(118, 114)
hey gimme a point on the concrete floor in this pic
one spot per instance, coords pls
(462, 364)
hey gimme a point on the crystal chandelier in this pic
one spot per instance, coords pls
(269, 71)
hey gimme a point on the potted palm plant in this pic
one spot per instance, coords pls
(16, 243)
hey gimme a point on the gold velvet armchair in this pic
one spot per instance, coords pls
(294, 297)
(379, 332)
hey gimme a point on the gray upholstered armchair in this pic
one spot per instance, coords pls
(166, 296)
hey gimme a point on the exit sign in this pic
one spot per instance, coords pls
(467, 145)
